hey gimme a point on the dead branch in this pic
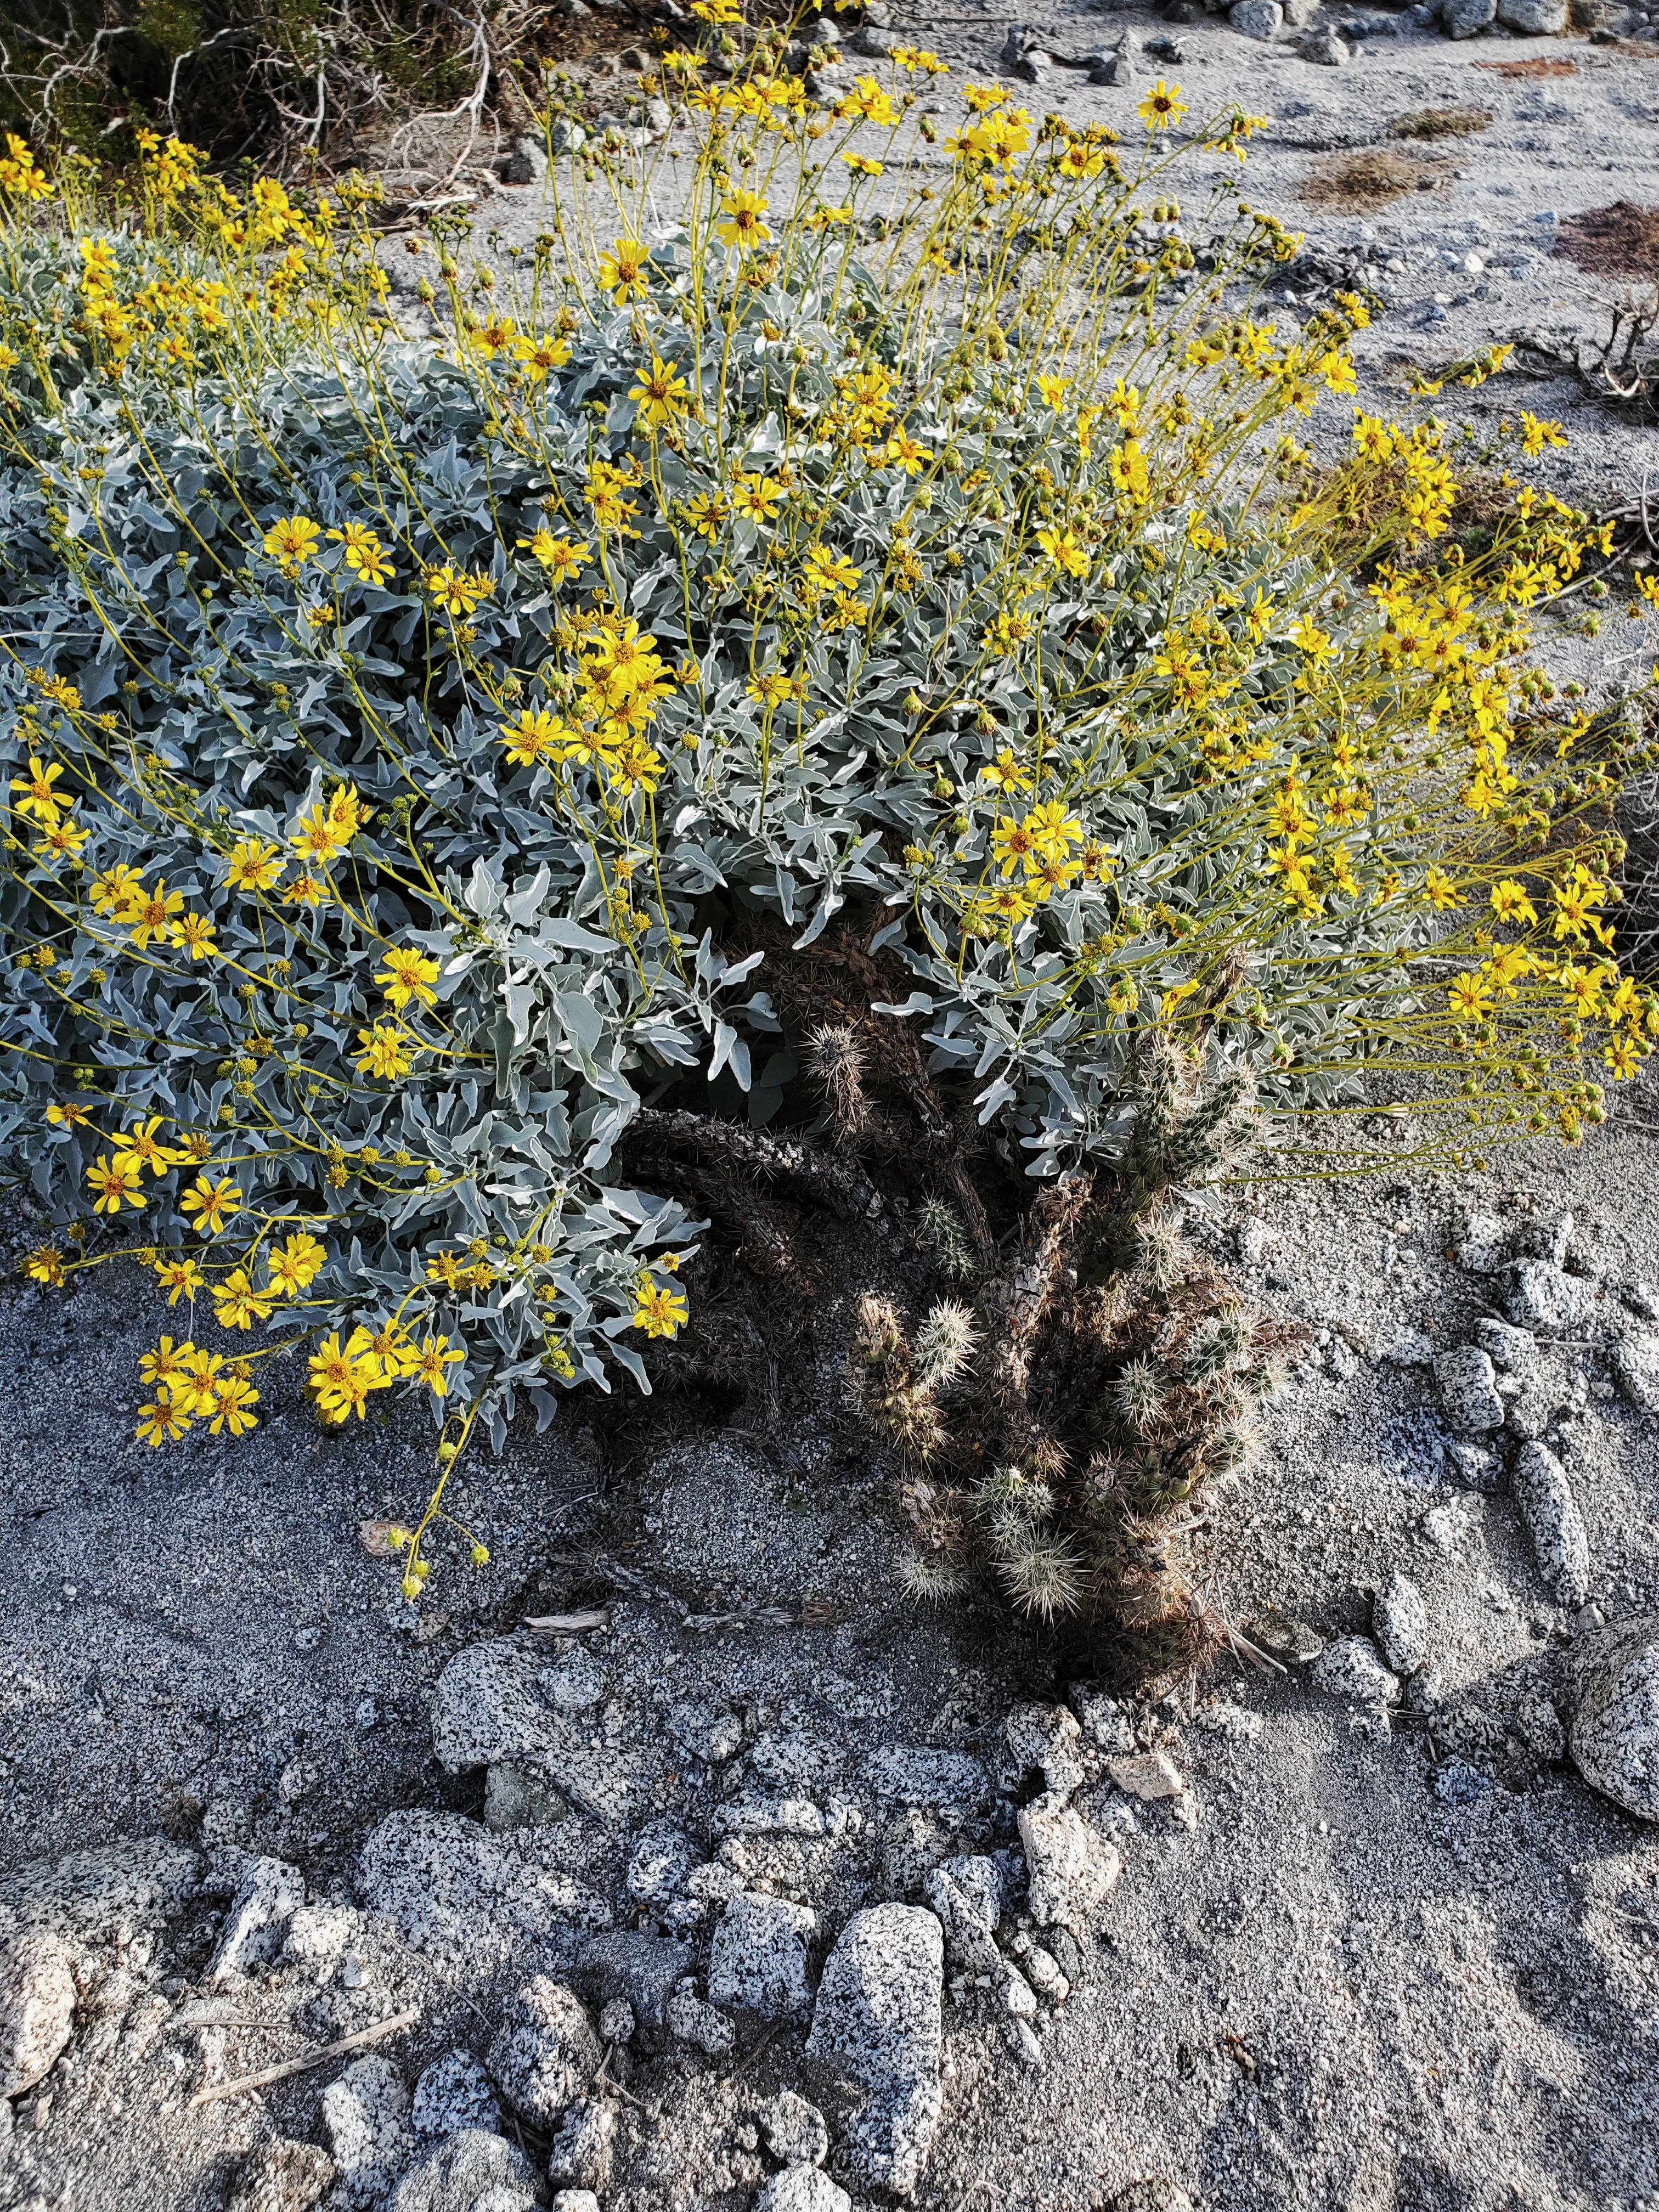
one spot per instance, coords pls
(832, 1181)
(1015, 1301)
(268, 2074)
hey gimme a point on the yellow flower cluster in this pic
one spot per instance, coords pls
(340, 1377)
(188, 1385)
(618, 679)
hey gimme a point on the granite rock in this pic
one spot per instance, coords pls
(1635, 1366)
(545, 2053)
(1349, 1668)
(37, 2010)
(642, 1971)
(802, 2189)
(1613, 1675)
(1071, 1870)
(1554, 1523)
(1469, 1389)
(582, 2148)
(366, 2118)
(757, 1962)
(878, 2022)
(1400, 1620)
(452, 1890)
(473, 2170)
(451, 2095)
(1544, 1297)
(282, 2176)
(795, 2131)
(267, 1897)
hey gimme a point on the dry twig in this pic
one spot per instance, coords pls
(268, 2074)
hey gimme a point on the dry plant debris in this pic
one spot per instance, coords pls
(1352, 184)
(1621, 240)
(1440, 123)
(1530, 68)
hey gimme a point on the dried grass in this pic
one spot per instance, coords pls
(1538, 67)
(1353, 184)
(1621, 240)
(1440, 123)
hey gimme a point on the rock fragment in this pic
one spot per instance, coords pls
(1636, 1366)
(642, 1971)
(1554, 1523)
(1403, 1347)
(878, 2021)
(1473, 1464)
(1613, 1672)
(1071, 1870)
(1350, 1670)
(1103, 1720)
(282, 2176)
(757, 1962)
(454, 2094)
(471, 2171)
(545, 2053)
(526, 164)
(582, 2148)
(1551, 1238)
(366, 2119)
(700, 2025)
(661, 1864)
(1151, 1776)
(1400, 1621)
(319, 1936)
(913, 1774)
(802, 2189)
(1484, 1246)
(454, 1891)
(37, 2010)
(267, 1897)
(1544, 1297)
(795, 2131)
(87, 1896)
(1512, 1351)
(502, 1702)
(1045, 1739)
(1286, 1637)
(966, 1895)
(1256, 19)
(1469, 1389)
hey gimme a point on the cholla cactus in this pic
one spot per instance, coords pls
(1140, 1392)
(943, 1232)
(945, 1343)
(887, 1384)
(877, 1335)
(1043, 1576)
(931, 1576)
(836, 1060)
(1177, 1137)
(1160, 1252)
(1214, 1347)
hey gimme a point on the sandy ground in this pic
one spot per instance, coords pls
(1344, 1969)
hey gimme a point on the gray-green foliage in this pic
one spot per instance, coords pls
(576, 923)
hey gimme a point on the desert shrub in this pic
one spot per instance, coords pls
(407, 737)
(275, 82)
